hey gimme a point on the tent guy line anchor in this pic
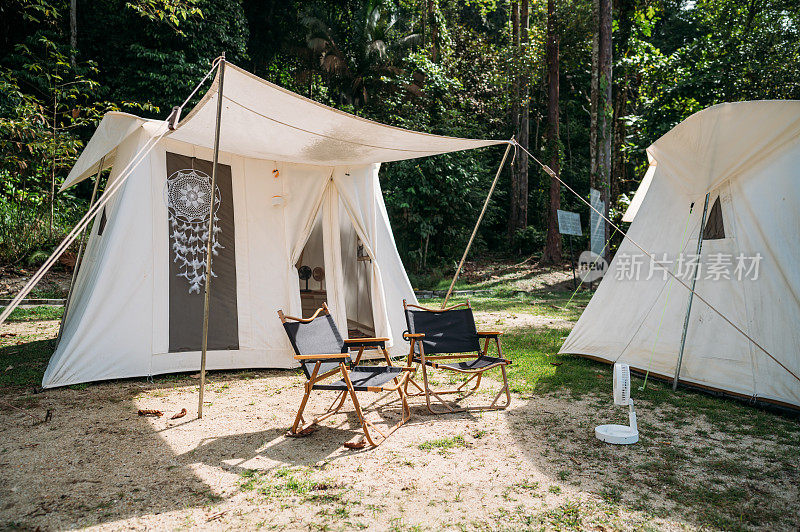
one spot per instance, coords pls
(552, 174)
(93, 210)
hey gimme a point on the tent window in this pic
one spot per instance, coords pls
(101, 226)
(715, 227)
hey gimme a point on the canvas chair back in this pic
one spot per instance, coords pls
(316, 337)
(449, 331)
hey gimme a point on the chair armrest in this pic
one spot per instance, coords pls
(415, 335)
(490, 334)
(336, 356)
(366, 341)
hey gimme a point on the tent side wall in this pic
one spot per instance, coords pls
(119, 325)
(112, 304)
(640, 321)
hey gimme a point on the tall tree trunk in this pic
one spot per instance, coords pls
(73, 30)
(524, 127)
(618, 166)
(433, 25)
(424, 9)
(552, 250)
(605, 109)
(625, 12)
(595, 89)
(513, 219)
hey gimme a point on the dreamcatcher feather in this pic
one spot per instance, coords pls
(188, 198)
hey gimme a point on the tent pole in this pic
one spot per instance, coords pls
(478, 223)
(210, 239)
(691, 296)
(79, 256)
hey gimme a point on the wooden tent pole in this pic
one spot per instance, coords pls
(210, 239)
(79, 256)
(478, 223)
(691, 296)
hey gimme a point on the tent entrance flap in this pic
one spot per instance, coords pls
(316, 273)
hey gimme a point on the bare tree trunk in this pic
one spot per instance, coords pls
(524, 127)
(594, 94)
(625, 12)
(433, 25)
(513, 218)
(73, 30)
(424, 4)
(605, 108)
(618, 167)
(552, 250)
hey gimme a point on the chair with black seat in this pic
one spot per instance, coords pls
(447, 339)
(322, 353)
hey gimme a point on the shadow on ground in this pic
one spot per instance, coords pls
(98, 462)
(720, 470)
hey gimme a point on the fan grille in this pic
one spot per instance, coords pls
(622, 384)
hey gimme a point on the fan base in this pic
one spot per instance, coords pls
(616, 434)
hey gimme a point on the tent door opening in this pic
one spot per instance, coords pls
(315, 276)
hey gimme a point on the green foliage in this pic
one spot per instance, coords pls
(433, 213)
(170, 12)
(444, 67)
(443, 445)
(45, 99)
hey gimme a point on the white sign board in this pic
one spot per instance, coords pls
(597, 226)
(569, 223)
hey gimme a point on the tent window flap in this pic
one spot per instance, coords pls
(715, 226)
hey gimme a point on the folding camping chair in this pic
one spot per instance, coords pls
(323, 353)
(448, 334)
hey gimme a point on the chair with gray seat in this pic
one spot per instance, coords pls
(323, 353)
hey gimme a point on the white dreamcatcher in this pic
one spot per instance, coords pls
(188, 197)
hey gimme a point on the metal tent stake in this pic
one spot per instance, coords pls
(691, 296)
(207, 291)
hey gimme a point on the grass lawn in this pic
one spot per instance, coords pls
(702, 462)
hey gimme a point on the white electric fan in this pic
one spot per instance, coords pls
(620, 434)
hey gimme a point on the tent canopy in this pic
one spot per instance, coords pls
(261, 120)
(297, 185)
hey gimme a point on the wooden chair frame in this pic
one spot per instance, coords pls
(399, 383)
(476, 374)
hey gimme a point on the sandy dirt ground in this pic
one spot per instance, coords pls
(54, 284)
(98, 464)
(519, 320)
(535, 466)
(526, 276)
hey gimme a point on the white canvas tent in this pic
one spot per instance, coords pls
(745, 156)
(289, 168)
